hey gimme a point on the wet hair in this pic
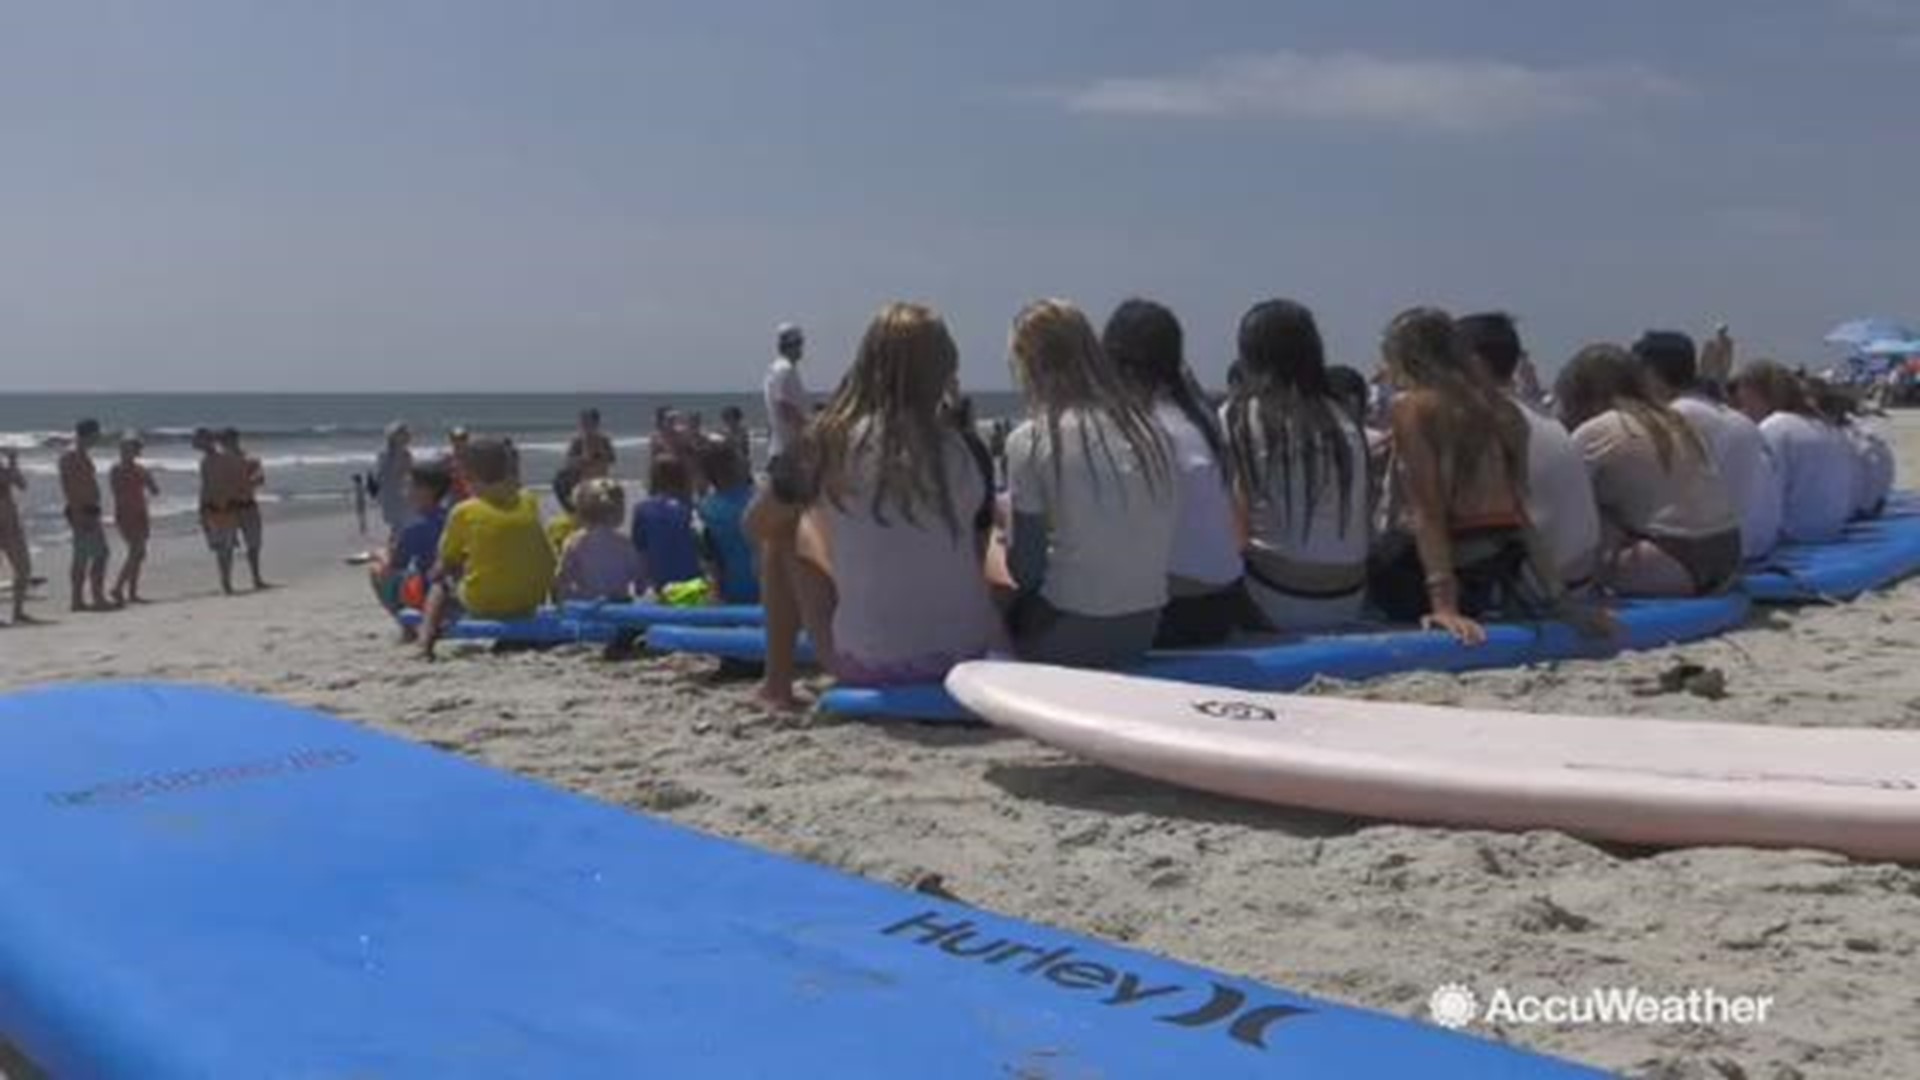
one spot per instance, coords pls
(732, 414)
(1061, 368)
(662, 416)
(436, 479)
(1286, 406)
(489, 461)
(1423, 353)
(565, 482)
(1350, 388)
(721, 463)
(87, 429)
(1492, 336)
(1601, 378)
(229, 436)
(203, 439)
(600, 502)
(1669, 356)
(669, 476)
(892, 405)
(1779, 388)
(590, 416)
(1145, 342)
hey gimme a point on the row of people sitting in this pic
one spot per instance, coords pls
(1138, 515)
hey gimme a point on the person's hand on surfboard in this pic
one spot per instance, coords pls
(1465, 630)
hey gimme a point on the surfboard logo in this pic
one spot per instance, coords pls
(158, 784)
(1225, 1008)
(1234, 710)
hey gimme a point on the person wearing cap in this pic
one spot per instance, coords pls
(132, 484)
(1560, 498)
(392, 474)
(1738, 449)
(80, 484)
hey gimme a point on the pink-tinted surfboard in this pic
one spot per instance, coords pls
(1641, 781)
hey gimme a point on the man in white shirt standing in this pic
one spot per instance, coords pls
(1738, 450)
(1560, 496)
(773, 520)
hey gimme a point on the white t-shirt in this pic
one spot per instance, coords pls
(1204, 547)
(1110, 529)
(1560, 495)
(1280, 522)
(1873, 472)
(1643, 497)
(1745, 463)
(1817, 466)
(783, 387)
(910, 594)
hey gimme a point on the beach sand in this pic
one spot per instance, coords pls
(1371, 913)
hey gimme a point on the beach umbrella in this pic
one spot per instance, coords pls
(1892, 347)
(1858, 333)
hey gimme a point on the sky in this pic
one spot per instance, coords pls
(482, 195)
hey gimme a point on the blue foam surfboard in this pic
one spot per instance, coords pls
(200, 884)
(1871, 555)
(639, 615)
(545, 628)
(1645, 624)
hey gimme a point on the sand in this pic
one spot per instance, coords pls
(1371, 913)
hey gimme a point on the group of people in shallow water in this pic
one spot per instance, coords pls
(230, 482)
(1138, 513)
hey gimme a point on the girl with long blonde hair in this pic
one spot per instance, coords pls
(890, 580)
(1094, 495)
(1458, 543)
(1668, 522)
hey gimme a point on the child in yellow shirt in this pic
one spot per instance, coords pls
(495, 560)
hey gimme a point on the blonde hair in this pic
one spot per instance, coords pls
(889, 404)
(1061, 368)
(600, 502)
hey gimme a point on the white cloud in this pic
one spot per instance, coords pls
(1432, 94)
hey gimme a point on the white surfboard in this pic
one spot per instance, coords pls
(1663, 782)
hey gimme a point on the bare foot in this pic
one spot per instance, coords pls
(779, 702)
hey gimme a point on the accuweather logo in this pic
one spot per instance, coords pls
(1456, 1005)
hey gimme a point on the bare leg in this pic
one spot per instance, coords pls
(22, 562)
(775, 526)
(77, 578)
(97, 581)
(253, 565)
(433, 620)
(126, 587)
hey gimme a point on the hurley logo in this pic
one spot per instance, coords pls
(1064, 967)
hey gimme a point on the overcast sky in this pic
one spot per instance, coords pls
(574, 195)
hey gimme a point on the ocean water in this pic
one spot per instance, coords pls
(312, 445)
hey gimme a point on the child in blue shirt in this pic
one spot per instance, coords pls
(663, 525)
(730, 560)
(400, 573)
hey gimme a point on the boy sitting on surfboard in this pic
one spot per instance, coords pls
(495, 561)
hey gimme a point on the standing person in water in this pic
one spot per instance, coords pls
(1207, 595)
(80, 484)
(131, 484)
(1094, 492)
(1300, 467)
(1560, 498)
(591, 452)
(13, 538)
(247, 504)
(1458, 545)
(1738, 449)
(1815, 459)
(1670, 529)
(774, 518)
(393, 479)
(890, 558)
